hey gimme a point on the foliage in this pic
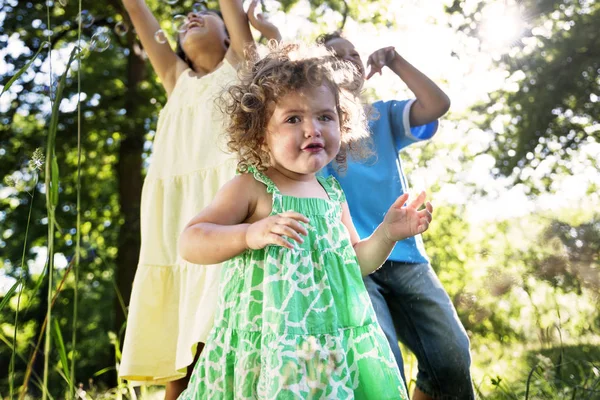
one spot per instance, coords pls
(527, 283)
(549, 106)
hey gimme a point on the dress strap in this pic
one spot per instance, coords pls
(277, 205)
(333, 188)
(259, 176)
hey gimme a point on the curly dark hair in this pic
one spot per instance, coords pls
(288, 68)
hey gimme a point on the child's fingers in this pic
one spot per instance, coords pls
(423, 226)
(252, 7)
(370, 66)
(382, 56)
(292, 224)
(390, 53)
(400, 201)
(425, 213)
(371, 73)
(416, 203)
(277, 240)
(284, 230)
(294, 215)
(429, 207)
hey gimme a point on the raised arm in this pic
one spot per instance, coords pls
(431, 102)
(165, 62)
(262, 24)
(400, 222)
(236, 22)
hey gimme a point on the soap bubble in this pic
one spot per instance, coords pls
(63, 2)
(171, 1)
(86, 19)
(160, 36)
(199, 7)
(100, 41)
(180, 22)
(121, 28)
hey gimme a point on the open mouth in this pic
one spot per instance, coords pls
(314, 147)
(194, 24)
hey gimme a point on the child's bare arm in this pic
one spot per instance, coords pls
(226, 228)
(165, 62)
(371, 252)
(218, 233)
(399, 223)
(431, 102)
(236, 22)
(262, 24)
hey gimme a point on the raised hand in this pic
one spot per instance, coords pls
(401, 222)
(274, 230)
(379, 59)
(261, 23)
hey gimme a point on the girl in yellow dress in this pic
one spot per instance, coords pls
(172, 303)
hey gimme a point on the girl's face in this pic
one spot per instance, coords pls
(303, 133)
(202, 30)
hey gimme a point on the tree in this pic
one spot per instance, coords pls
(116, 117)
(549, 108)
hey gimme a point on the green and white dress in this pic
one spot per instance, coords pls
(297, 324)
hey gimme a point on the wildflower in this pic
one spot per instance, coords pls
(37, 160)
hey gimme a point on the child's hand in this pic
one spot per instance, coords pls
(402, 222)
(261, 23)
(274, 229)
(379, 59)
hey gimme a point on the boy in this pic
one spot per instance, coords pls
(409, 300)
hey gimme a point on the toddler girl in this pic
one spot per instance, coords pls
(293, 317)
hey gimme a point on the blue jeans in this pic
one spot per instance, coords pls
(411, 305)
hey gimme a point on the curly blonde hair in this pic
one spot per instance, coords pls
(288, 68)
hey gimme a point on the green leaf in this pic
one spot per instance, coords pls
(54, 182)
(8, 295)
(103, 371)
(61, 350)
(22, 70)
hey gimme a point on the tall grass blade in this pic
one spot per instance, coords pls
(11, 367)
(52, 183)
(29, 370)
(36, 378)
(102, 371)
(8, 295)
(72, 392)
(23, 69)
(62, 352)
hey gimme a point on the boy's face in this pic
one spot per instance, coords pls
(345, 50)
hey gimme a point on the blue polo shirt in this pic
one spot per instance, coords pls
(371, 186)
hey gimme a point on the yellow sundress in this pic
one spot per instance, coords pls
(173, 302)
